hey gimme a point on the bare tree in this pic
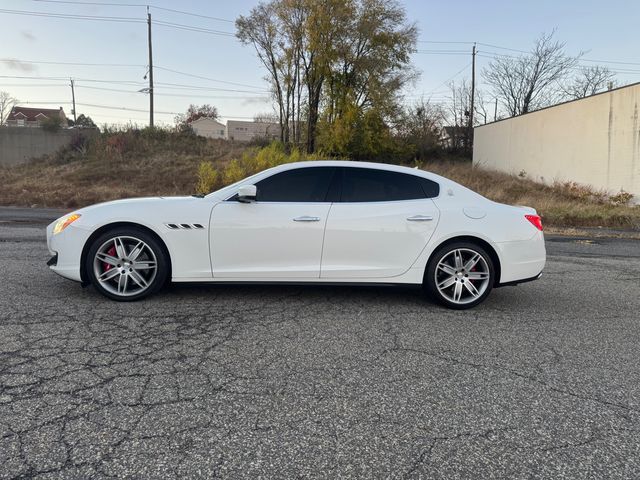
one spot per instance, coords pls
(421, 125)
(457, 131)
(7, 102)
(480, 107)
(266, 117)
(530, 81)
(262, 29)
(589, 81)
(194, 112)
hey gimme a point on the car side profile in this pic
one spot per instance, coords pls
(336, 222)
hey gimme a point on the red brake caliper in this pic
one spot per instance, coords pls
(112, 252)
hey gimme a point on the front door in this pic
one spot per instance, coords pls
(278, 236)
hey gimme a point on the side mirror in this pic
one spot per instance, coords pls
(247, 193)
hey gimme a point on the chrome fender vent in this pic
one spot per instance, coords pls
(184, 226)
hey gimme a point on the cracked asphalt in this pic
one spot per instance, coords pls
(541, 381)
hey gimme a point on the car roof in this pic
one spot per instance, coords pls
(444, 182)
(356, 164)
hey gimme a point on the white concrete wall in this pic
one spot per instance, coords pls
(593, 141)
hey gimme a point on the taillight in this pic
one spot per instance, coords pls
(535, 220)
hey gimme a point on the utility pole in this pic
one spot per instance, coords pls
(495, 111)
(473, 95)
(73, 98)
(150, 71)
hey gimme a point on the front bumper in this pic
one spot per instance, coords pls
(66, 251)
(53, 261)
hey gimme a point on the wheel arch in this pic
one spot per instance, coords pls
(112, 226)
(478, 241)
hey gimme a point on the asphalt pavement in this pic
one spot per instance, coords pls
(540, 381)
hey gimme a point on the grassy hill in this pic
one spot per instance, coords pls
(138, 163)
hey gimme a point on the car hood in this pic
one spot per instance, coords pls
(140, 202)
(146, 211)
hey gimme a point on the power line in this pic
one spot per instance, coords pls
(260, 89)
(109, 107)
(72, 63)
(193, 28)
(239, 97)
(583, 59)
(72, 16)
(178, 86)
(442, 41)
(443, 52)
(207, 78)
(193, 14)
(231, 34)
(502, 48)
(31, 77)
(494, 55)
(94, 105)
(70, 2)
(450, 78)
(192, 87)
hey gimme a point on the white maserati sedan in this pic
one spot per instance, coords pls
(331, 222)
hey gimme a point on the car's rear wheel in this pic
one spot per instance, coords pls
(460, 275)
(126, 264)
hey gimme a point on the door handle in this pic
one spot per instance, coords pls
(420, 218)
(306, 218)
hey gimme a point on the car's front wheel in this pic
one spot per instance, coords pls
(460, 275)
(126, 264)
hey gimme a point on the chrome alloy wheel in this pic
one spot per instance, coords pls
(125, 266)
(462, 276)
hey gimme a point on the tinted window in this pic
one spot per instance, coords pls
(431, 188)
(369, 185)
(300, 185)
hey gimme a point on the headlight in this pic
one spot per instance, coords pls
(64, 222)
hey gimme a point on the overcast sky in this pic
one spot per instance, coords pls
(233, 78)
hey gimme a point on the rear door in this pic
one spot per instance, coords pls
(381, 224)
(277, 236)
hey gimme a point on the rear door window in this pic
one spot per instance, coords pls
(372, 185)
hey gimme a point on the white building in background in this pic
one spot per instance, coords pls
(208, 127)
(241, 131)
(593, 141)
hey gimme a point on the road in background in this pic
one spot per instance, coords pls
(540, 381)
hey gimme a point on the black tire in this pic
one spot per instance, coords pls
(153, 252)
(435, 276)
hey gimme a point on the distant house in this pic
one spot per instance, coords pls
(33, 117)
(241, 131)
(208, 127)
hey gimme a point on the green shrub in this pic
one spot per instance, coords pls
(254, 160)
(207, 178)
(233, 172)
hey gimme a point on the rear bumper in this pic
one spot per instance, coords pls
(518, 282)
(522, 261)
